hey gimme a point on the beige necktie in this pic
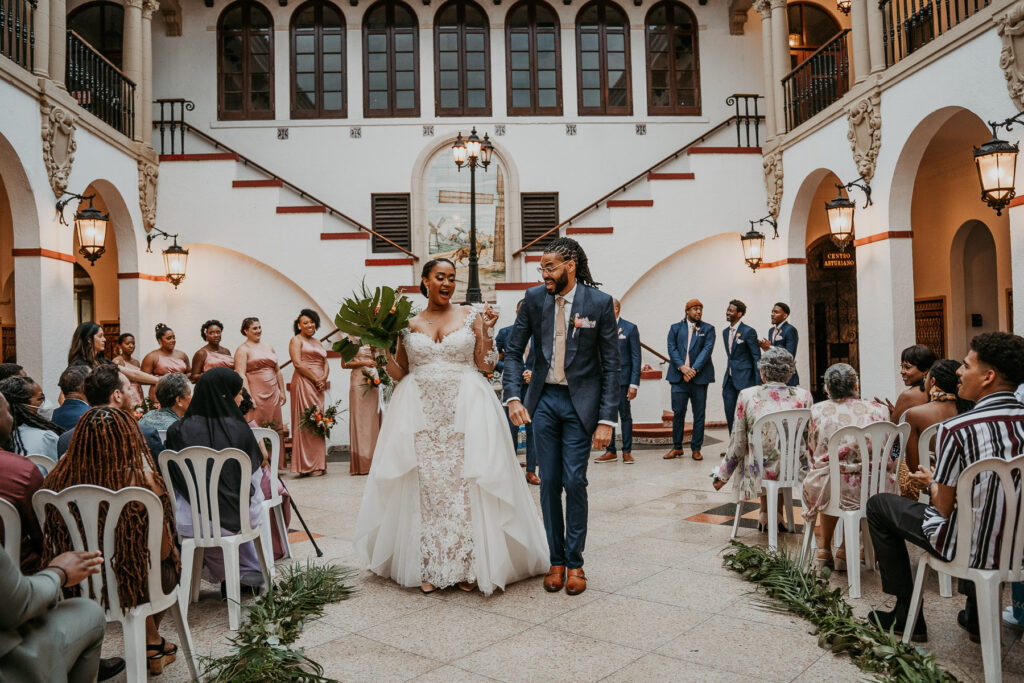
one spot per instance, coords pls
(558, 370)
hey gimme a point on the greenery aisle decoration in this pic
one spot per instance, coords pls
(807, 593)
(261, 650)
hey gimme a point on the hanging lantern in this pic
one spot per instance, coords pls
(996, 162)
(175, 263)
(840, 219)
(473, 145)
(753, 248)
(843, 6)
(485, 151)
(459, 151)
(91, 230)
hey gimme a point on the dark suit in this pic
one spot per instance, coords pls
(786, 336)
(501, 345)
(67, 414)
(565, 416)
(701, 343)
(629, 375)
(741, 371)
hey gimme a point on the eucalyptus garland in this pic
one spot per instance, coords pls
(261, 649)
(807, 593)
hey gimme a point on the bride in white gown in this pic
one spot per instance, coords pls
(446, 502)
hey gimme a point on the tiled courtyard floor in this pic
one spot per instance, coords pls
(659, 606)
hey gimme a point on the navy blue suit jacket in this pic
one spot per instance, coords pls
(702, 342)
(591, 353)
(67, 414)
(501, 345)
(629, 353)
(741, 364)
(787, 339)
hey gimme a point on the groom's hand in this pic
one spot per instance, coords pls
(602, 437)
(517, 413)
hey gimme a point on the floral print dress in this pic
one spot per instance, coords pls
(827, 418)
(739, 460)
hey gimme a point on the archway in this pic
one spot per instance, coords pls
(974, 304)
(19, 229)
(8, 339)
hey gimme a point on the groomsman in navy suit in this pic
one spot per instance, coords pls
(781, 333)
(690, 343)
(742, 354)
(629, 384)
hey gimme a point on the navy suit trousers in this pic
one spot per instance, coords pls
(531, 452)
(682, 394)
(626, 420)
(729, 395)
(563, 451)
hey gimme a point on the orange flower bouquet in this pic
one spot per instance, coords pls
(320, 422)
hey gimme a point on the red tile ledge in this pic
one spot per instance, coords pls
(651, 374)
(534, 258)
(389, 261)
(588, 231)
(670, 176)
(725, 150)
(219, 156)
(344, 235)
(515, 286)
(624, 203)
(270, 182)
(302, 209)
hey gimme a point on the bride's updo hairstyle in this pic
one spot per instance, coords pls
(428, 267)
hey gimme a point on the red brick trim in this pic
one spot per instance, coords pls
(333, 354)
(588, 231)
(514, 286)
(651, 374)
(670, 176)
(344, 235)
(44, 253)
(891, 235)
(783, 262)
(725, 150)
(1016, 201)
(409, 289)
(625, 203)
(302, 209)
(141, 276)
(389, 261)
(534, 258)
(219, 156)
(257, 183)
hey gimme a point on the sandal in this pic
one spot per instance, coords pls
(467, 587)
(840, 560)
(427, 588)
(823, 559)
(158, 656)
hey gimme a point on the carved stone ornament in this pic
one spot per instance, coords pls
(865, 134)
(58, 145)
(148, 173)
(773, 181)
(1011, 58)
(763, 6)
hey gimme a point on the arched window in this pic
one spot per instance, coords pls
(101, 24)
(810, 27)
(318, 61)
(602, 59)
(532, 46)
(245, 57)
(391, 60)
(673, 67)
(462, 60)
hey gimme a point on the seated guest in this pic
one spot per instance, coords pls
(33, 434)
(915, 361)
(173, 393)
(775, 366)
(43, 638)
(993, 369)
(74, 406)
(214, 420)
(107, 386)
(11, 370)
(842, 408)
(107, 450)
(19, 480)
(248, 408)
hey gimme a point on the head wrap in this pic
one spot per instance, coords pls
(693, 302)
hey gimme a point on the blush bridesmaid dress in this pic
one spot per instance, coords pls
(165, 365)
(309, 451)
(261, 373)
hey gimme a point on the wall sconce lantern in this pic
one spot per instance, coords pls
(996, 162)
(175, 258)
(90, 227)
(844, 6)
(753, 242)
(840, 212)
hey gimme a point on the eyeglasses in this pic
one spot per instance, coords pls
(551, 269)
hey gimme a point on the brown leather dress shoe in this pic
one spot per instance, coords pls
(627, 458)
(532, 478)
(672, 454)
(555, 579)
(576, 583)
(607, 457)
(696, 455)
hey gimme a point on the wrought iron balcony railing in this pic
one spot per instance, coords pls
(17, 31)
(909, 24)
(99, 86)
(818, 81)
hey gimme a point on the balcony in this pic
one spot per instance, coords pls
(17, 31)
(98, 86)
(908, 25)
(818, 81)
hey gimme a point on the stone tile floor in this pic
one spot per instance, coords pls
(659, 605)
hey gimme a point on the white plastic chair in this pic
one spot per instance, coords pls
(87, 501)
(274, 504)
(874, 443)
(206, 527)
(42, 462)
(987, 582)
(925, 451)
(12, 529)
(791, 427)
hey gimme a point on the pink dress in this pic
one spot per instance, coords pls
(135, 390)
(363, 416)
(309, 451)
(165, 365)
(261, 373)
(278, 532)
(218, 360)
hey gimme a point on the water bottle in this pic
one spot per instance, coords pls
(521, 437)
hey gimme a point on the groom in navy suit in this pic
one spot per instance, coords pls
(573, 397)
(690, 343)
(742, 354)
(781, 333)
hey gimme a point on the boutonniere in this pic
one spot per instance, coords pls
(579, 321)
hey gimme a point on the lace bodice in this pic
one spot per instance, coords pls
(455, 348)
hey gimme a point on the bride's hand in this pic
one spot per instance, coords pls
(489, 317)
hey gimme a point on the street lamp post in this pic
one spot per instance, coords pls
(472, 151)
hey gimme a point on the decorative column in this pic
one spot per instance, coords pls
(131, 49)
(41, 51)
(876, 29)
(146, 103)
(780, 59)
(58, 42)
(764, 7)
(859, 29)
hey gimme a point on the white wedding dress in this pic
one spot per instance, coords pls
(446, 500)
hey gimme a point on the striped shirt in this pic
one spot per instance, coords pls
(994, 429)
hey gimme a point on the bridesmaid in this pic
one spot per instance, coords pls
(164, 359)
(125, 349)
(364, 414)
(309, 452)
(213, 355)
(261, 375)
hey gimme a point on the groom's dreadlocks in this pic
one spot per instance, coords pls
(570, 250)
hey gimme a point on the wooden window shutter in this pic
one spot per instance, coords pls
(391, 219)
(540, 214)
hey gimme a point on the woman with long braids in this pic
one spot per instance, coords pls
(32, 433)
(108, 450)
(87, 346)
